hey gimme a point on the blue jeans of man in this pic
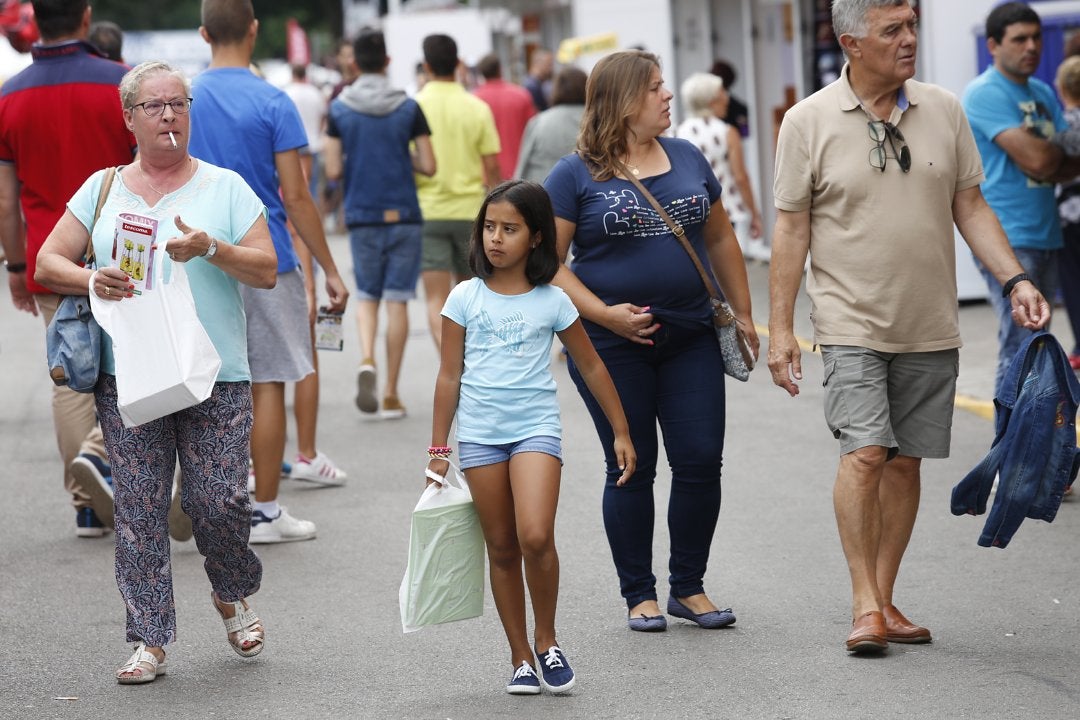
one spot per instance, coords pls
(679, 382)
(1042, 266)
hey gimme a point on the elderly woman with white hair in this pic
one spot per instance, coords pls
(706, 101)
(216, 226)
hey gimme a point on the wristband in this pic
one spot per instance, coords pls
(439, 452)
(1007, 288)
(16, 267)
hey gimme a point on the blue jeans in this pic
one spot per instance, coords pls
(1069, 277)
(1042, 266)
(386, 261)
(680, 382)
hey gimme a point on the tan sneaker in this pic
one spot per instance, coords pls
(365, 387)
(179, 523)
(392, 409)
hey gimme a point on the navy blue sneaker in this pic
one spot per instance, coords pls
(87, 524)
(524, 682)
(558, 677)
(94, 477)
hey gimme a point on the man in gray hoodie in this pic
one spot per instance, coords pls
(370, 128)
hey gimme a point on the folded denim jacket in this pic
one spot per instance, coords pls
(1034, 453)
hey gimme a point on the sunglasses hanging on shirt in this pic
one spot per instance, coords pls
(882, 132)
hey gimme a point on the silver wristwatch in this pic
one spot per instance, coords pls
(212, 250)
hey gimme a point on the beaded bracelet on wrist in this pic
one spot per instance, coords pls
(439, 452)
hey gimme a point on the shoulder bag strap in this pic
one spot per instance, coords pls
(676, 229)
(103, 194)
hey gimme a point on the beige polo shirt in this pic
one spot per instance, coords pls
(882, 257)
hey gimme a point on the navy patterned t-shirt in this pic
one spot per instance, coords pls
(624, 251)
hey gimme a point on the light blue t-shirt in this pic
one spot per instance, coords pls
(240, 121)
(215, 200)
(507, 391)
(1026, 208)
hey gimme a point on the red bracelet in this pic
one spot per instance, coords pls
(439, 452)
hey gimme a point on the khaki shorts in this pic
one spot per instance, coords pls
(446, 246)
(900, 401)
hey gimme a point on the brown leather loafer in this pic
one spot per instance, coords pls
(867, 633)
(898, 629)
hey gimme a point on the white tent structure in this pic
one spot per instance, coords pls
(11, 62)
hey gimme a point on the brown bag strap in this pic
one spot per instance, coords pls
(676, 229)
(103, 194)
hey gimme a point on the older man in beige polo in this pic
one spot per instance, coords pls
(871, 173)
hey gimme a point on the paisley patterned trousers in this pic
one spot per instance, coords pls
(211, 440)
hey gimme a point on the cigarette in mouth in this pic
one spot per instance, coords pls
(172, 139)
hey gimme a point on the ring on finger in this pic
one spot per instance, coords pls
(108, 290)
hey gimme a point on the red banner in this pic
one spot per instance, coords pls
(297, 49)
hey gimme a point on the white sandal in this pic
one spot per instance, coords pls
(145, 663)
(245, 630)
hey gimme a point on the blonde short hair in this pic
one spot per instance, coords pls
(1068, 77)
(698, 92)
(133, 80)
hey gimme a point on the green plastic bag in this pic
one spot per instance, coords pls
(444, 580)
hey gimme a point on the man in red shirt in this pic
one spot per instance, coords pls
(512, 107)
(60, 121)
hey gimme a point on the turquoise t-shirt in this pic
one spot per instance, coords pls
(1026, 208)
(215, 200)
(507, 390)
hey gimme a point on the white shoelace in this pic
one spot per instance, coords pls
(524, 671)
(552, 659)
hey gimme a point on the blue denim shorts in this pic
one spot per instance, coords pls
(476, 454)
(386, 261)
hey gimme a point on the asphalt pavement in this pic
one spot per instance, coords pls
(1006, 623)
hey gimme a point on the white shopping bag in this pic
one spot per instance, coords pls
(444, 580)
(165, 361)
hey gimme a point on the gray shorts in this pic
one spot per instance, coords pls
(900, 401)
(278, 333)
(446, 246)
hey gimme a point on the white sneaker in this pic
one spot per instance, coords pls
(283, 528)
(320, 470)
(365, 388)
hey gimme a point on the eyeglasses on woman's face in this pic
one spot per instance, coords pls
(153, 108)
(880, 132)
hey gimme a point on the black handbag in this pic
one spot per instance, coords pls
(73, 338)
(734, 345)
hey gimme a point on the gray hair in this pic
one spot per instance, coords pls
(698, 92)
(849, 16)
(133, 80)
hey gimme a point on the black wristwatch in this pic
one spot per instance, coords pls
(1007, 288)
(15, 267)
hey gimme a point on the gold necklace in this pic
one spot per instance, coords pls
(151, 185)
(634, 168)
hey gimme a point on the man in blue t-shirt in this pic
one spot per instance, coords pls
(1012, 116)
(372, 125)
(243, 123)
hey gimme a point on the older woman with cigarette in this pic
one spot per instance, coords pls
(217, 227)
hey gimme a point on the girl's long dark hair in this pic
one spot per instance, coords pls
(533, 204)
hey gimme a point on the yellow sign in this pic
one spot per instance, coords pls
(571, 49)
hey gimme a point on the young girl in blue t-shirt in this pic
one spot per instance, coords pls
(495, 375)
